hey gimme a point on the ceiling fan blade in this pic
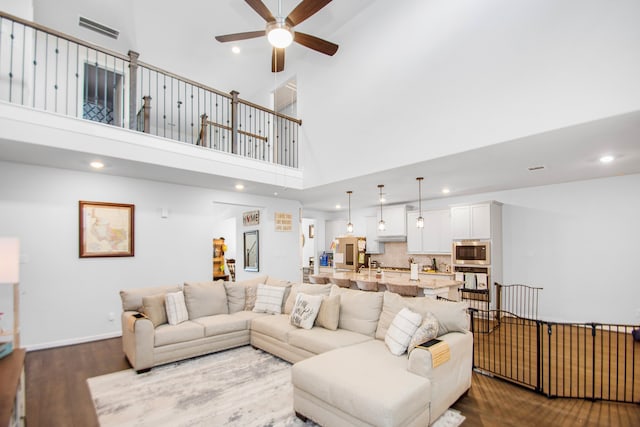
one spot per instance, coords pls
(262, 10)
(315, 43)
(277, 60)
(304, 10)
(240, 36)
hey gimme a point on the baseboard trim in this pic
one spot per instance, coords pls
(73, 341)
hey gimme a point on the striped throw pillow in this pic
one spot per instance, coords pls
(269, 299)
(402, 328)
(176, 308)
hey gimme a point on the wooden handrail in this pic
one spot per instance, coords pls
(266, 110)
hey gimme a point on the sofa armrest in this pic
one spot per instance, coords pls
(449, 380)
(138, 337)
(461, 348)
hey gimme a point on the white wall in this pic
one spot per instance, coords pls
(433, 78)
(578, 241)
(64, 298)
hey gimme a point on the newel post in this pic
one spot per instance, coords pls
(234, 121)
(133, 88)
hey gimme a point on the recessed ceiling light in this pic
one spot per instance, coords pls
(445, 191)
(239, 187)
(235, 50)
(606, 159)
(338, 206)
(275, 193)
(96, 165)
(382, 199)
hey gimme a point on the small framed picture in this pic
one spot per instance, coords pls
(106, 229)
(312, 231)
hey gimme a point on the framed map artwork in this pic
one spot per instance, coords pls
(106, 229)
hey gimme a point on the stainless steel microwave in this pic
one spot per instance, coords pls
(472, 252)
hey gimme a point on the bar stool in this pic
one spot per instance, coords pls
(343, 283)
(318, 280)
(367, 285)
(404, 290)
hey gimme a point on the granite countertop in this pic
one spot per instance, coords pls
(397, 278)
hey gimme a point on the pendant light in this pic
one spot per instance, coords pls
(349, 225)
(420, 220)
(381, 224)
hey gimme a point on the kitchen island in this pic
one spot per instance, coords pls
(430, 284)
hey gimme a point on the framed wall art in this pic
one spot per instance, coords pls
(106, 229)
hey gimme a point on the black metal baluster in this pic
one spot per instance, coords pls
(12, 38)
(55, 86)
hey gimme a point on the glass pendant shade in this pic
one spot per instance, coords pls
(349, 225)
(381, 224)
(349, 228)
(420, 220)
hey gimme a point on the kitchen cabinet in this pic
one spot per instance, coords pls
(373, 246)
(434, 237)
(395, 219)
(475, 221)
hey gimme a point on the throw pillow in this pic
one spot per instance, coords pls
(236, 297)
(153, 307)
(402, 328)
(427, 331)
(304, 288)
(305, 310)
(250, 294)
(269, 299)
(205, 298)
(452, 316)
(329, 313)
(176, 308)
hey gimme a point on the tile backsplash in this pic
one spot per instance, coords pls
(395, 255)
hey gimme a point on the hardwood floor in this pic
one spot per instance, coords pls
(58, 395)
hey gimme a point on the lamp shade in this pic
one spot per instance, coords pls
(9, 260)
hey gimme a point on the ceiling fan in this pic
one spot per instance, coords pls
(280, 32)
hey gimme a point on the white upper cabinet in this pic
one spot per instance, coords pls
(395, 219)
(434, 238)
(473, 221)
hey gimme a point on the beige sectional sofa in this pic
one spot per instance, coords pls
(343, 372)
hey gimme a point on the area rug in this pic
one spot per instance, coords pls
(239, 387)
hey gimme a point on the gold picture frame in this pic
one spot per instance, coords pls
(106, 229)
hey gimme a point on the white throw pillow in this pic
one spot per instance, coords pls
(269, 299)
(305, 310)
(427, 331)
(402, 328)
(176, 308)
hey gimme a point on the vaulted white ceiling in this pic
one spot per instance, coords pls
(466, 93)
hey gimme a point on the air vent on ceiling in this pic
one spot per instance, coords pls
(98, 28)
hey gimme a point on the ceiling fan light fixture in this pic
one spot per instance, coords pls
(279, 33)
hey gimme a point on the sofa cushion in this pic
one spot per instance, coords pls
(248, 316)
(236, 297)
(269, 299)
(329, 313)
(154, 308)
(176, 308)
(305, 310)
(452, 316)
(359, 310)
(205, 298)
(132, 298)
(276, 326)
(221, 324)
(305, 288)
(343, 378)
(427, 331)
(318, 340)
(173, 334)
(401, 330)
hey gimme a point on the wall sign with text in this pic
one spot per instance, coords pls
(251, 218)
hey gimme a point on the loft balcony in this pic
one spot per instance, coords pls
(105, 103)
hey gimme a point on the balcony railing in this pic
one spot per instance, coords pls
(44, 69)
